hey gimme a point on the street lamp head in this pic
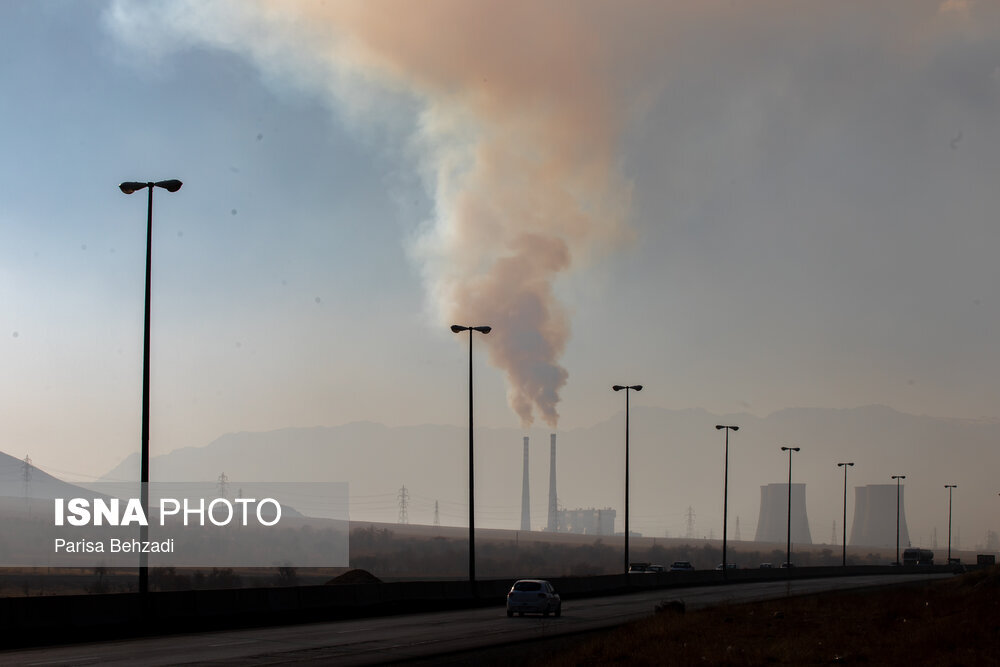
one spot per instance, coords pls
(840, 465)
(790, 449)
(637, 387)
(128, 187)
(617, 387)
(482, 330)
(456, 328)
(951, 486)
(731, 428)
(899, 477)
(173, 185)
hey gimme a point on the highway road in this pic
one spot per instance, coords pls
(398, 638)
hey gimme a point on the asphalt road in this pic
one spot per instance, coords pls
(399, 638)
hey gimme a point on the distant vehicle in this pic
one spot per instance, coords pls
(914, 556)
(681, 566)
(766, 566)
(729, 566)
(787, 565)
(534, 596)
(644, 568)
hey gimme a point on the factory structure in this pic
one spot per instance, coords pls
(773, 522)
(874, 525)
(875, 516)
(581, 521)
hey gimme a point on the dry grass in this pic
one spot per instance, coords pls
(954, 622)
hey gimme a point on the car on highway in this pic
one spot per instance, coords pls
(644, 568)
(681, 566)
(535, 596)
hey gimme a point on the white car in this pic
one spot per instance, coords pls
(534, 596)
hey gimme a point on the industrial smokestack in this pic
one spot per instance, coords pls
(525, 493)
(553, 509)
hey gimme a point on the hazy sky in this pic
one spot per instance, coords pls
(742, 206)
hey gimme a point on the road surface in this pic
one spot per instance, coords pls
(393, 638)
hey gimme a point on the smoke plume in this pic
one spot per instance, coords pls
(520, 104)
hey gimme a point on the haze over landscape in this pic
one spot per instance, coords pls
(780, 215)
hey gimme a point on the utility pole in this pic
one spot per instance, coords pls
(690, 523)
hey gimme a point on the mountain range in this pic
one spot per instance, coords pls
(676, 470)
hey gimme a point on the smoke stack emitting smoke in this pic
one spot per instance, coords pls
(521, 112)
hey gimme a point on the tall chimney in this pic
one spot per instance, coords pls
(553, 509)
(525, 493)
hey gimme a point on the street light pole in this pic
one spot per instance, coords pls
(128, 187)
(845, 466)
(788, 543)
(949, 487)
(619, 387)
(725, 494)
(897, 478)
(456, 328)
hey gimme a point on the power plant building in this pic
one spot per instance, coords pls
(772, 525)
(587, 521)
(875, 516)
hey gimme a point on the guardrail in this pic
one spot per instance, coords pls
(61, 619)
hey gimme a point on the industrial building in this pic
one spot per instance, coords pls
(773, 523)
(875, 516)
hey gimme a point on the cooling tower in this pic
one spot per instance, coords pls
(525, 493)
(772, 525)
(875, 516)
(553, 508)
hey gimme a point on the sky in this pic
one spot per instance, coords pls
(742, 206)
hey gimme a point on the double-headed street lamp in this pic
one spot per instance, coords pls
(788, 543)
(897, 478)
(619, 387)
(845, 466)
(128, 187)
(949, 487)
(725, 494)
(458, 328)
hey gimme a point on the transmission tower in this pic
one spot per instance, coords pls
(223, 483)
(26, 477)
(437, 517)
(690, 523)
(737, 536)
(404, 498)
(833, 535)
(26, 473)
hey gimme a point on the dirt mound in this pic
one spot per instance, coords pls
(354, 577)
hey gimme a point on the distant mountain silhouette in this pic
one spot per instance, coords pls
(40, 484)
(677, 462)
